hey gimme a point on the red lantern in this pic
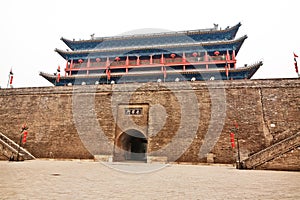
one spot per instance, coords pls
(195, 54)
(172, 55)
(232, 140)
(117, 58)
(80, 61)
(216, 53)
(24, 137)
(98, 59)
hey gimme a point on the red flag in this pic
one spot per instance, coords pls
(11, 79)
(11, 76)
(296, 65)
(295, 56)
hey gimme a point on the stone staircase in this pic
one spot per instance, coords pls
(9, 149)
(272, 152)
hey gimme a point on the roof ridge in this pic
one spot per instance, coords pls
(159, 34)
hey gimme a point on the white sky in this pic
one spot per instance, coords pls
(31, 30)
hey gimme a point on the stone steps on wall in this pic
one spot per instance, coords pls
(9, 149)
(272, 152)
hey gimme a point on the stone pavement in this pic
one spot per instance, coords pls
(82, 179)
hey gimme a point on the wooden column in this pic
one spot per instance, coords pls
(107, 62)
(234, 59)
(127, 63)
(151, 59)
(162, 60)
(183, 57)
(138, 60)
(71, 66)
(87, 66)
(227, 59)
(67, 66)
(206, 59)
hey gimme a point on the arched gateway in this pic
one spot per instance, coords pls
(131, 145)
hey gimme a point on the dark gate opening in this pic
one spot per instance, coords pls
(133, 145)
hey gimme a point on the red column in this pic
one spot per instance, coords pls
(206, 59)
(138, 60)
(162, 60)
(88, 65)
(233, 55)
(107, 62)
(127, 61)
(71, 66)
(183, 57)
(227, 59)
(233, 58)
(227, 56)
(67, 66)
(151, 60)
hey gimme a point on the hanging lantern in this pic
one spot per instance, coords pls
(117, 58)
(172, 55)
(98, 59)
(80, 61)
(216, 53)
(195, 54)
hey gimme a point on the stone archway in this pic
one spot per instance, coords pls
(131, 145)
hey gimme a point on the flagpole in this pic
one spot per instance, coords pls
(8, 81)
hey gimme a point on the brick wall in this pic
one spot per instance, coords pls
(185, 121)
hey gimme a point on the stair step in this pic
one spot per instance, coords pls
(272, 152)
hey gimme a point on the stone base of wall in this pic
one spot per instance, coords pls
(210, 158)
(157, 159)
(103, 158)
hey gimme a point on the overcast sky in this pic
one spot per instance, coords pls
(31, 30)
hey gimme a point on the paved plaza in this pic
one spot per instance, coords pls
(83, 179)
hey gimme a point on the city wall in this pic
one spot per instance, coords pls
(182, 122)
